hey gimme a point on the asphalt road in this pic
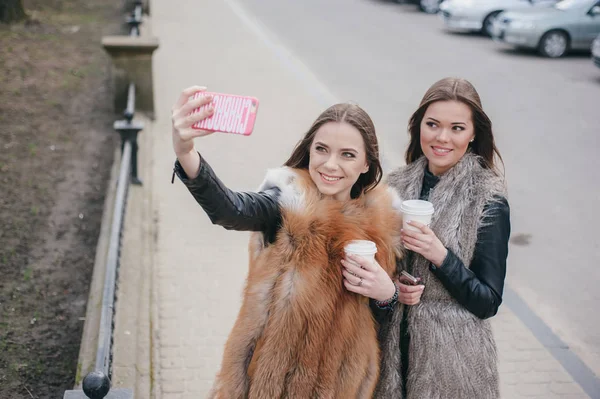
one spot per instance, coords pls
(546, 115)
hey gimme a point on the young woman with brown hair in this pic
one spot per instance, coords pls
(300, 333)
(443, 346)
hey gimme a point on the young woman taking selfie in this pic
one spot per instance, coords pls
(305, 329)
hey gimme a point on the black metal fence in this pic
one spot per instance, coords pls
(97, 383)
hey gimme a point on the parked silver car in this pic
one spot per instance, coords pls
(596, 51)
(427, 6)
(568, 25)
(472, 15)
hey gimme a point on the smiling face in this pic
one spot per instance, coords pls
(337, 159)
(446, 130)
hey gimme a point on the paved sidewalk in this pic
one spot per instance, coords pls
(197, 269)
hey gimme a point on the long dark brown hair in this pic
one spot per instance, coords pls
(455, 89)
(354, 116)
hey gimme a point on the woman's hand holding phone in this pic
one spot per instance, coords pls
(183, 134)
(183, 119)
(410, 289)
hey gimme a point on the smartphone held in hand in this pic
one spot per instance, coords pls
(408, 279)
(232, 113)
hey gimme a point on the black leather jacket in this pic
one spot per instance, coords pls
(479, 288)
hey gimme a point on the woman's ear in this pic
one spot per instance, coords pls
(366, 168)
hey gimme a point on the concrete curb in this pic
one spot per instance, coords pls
(155, 386)
(132, 343)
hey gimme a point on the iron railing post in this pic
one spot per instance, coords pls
(129, 132)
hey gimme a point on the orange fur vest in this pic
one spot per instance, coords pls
(300, 333)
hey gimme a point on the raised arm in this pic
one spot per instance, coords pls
(230, 209)
(247, 211)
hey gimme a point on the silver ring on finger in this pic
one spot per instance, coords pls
(359, 282)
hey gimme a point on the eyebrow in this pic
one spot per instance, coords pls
(453, 123)
(343, 149)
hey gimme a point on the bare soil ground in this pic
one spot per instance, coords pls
(56, 148)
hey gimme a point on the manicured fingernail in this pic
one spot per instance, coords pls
(409, 222)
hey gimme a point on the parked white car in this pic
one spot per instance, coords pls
(479, 15)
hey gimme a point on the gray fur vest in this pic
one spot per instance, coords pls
(452, 353)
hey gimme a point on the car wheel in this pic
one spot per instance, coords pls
(554, 44)
(429, 6)
(486, 27)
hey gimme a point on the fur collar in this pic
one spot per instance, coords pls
(293, 187)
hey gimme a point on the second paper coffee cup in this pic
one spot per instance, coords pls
(417, 210)
(366, 249)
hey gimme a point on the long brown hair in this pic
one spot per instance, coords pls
(358, 118)
(455, 89)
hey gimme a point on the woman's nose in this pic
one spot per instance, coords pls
(331, 163)
(443, 135)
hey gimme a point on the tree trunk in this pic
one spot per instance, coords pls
(11, 11)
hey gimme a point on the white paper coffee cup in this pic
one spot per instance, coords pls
(417, 210)
(366, 249)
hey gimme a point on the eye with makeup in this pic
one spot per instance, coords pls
(456, 128)
(345, 154)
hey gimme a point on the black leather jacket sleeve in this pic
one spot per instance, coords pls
(245, 211)
(479, 288)
(379, 314)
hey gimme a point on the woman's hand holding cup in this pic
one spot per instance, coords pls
(416, 234)
(366, 277)
(362, 274)
(423, 240)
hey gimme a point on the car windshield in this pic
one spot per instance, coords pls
(571, 4)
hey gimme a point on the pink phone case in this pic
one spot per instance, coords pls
(233, 114)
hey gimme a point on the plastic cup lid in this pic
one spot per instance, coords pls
(417, 207)
(361, 247)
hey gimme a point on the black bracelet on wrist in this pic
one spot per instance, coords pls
(390, 302)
